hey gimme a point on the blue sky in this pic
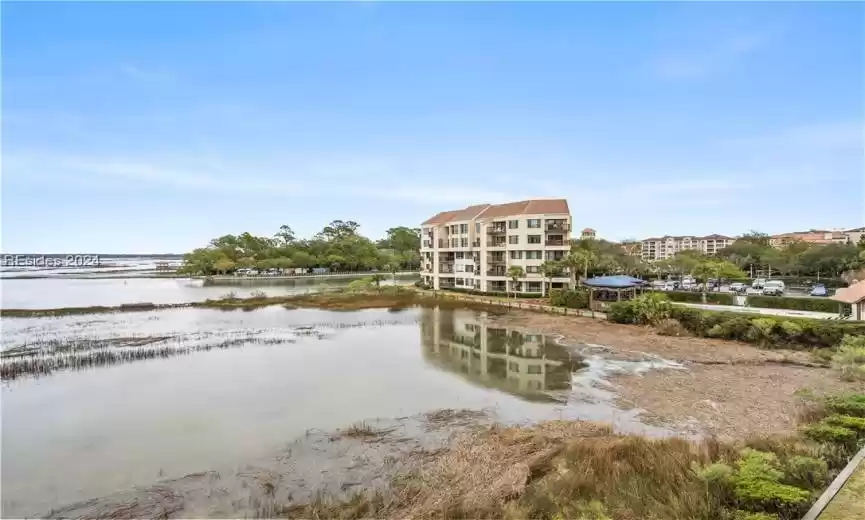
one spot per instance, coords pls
(153, 127)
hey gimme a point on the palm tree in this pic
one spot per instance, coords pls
(577, 258)
(515, 272)
(547, 270)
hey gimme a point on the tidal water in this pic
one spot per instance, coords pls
(87, 411)
(47, 293)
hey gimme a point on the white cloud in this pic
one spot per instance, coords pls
(699, 62)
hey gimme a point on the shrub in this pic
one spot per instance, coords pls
(231, 295)
(670, 327)
(846, 421)
(651, 308)
(799, 304)
(572, 299)
(850, 358)
(847, 404)
(747, 515)
(737, 328)
(806, 472)
(757, 485)
(621, 312)
(258, 294)
(762, 330)
(822, 432)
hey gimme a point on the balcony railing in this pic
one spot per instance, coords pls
(491, 259)
(496, 272)
(557, 226)
(555, 243)
(476, 243)
(496, 230)
(446, 268)
(491, 243)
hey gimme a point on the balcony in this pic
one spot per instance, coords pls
(556, 243)
(496, 243)
(446, 268)
(493, 259)
(496, 272)
(561, 227)
(476, 242)
(496, 230)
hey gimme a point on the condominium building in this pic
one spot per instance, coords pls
(661, 248)
(814, 236)
(473, 247)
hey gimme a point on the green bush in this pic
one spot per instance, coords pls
(846, 421)
(747, 515)
(622, 312)
(757, 485)
(799, 304)
(822, 432)
(806, 472)
(847, 404)
(572, 299)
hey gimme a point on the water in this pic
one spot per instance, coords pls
(47, 293)
(85, 265)
(77, 434)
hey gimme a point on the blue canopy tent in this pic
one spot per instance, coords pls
(611, 288)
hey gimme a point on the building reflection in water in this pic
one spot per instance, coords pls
(497, 357)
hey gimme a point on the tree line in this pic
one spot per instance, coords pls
(751, 254)
(339, 246)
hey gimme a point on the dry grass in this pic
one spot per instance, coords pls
(362, 430)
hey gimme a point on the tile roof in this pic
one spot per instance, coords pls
(523, 207)
(853, 294)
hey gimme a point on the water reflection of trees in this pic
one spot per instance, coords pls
(496, 356)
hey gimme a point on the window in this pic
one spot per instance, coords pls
(470, 268)
(514, 367)
(533, 255)
(464, 229)
(477, 227)
(533, 369)
(516, 255)
(459, 281)
(531, 268)
(533, 223)
(513, 239)
(534, 239)
(459, 256)
(454, 242)
(464, 242)
(513, 224)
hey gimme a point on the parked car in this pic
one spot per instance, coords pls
(773, 288)
(738, 288)
(758, 283)
(819, 290)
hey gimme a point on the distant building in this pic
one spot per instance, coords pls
(813, 236)
(661, 248)
(588, 233)
(854, 236)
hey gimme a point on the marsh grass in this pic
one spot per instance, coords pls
(564, 469)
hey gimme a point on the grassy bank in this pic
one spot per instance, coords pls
(565, 469)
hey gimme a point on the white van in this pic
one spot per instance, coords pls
(773, 288)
